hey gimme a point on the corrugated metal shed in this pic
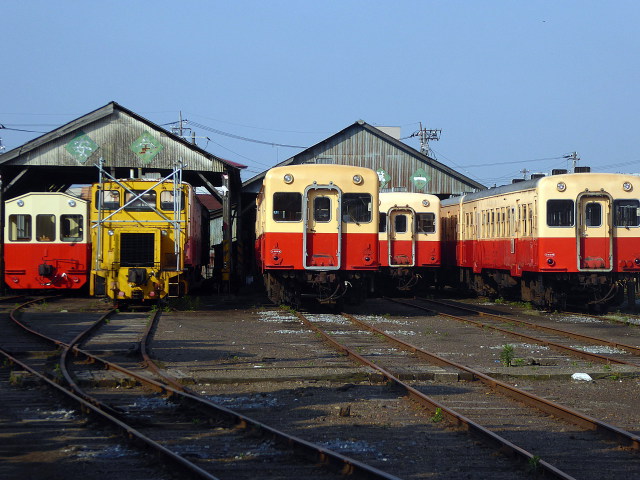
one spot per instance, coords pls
(125, 141)
(399, 167)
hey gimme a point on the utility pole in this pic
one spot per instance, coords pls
(425, 135)
(574, 158)
(181, 130)
(524, 172)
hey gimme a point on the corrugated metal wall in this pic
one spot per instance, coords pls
(404, 172)
(114, 136)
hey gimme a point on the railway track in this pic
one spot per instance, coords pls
(565, 341)
(557, 441)
(192, 433)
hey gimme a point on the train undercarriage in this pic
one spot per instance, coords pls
(595, 291)
(326, 288)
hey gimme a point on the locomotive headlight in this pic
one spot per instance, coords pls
(72, 203)
(288, 178)
(561, 186)
(111, 232)
(425, 203)
(627, 187)
(21, 203)
(163, 233)
(357, 179)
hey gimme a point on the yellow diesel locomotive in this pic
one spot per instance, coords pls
(147, 239)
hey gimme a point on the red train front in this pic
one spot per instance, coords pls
(317, 232)
(409, 241)
(46, 242)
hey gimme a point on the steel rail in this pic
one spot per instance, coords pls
(556, 346)
(542, 404)
(328, 458)
(131, 433)
(505, 446)
(544, 328)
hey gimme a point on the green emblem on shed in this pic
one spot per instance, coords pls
(420, 178)
(81, 147)
(146, 147)
(383, 176)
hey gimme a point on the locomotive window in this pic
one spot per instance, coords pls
(322, 209)
(167, 198)
(287, 206)
(400, 224)
(426, 222)
(560, 213)
(71, 228)
(19, 228)
(593, 214)
(356, 208)
(626, 213)
(45, 228)
(110, 199)
(143, 203)
(382, 223)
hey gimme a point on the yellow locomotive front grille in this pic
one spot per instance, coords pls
(136, 249)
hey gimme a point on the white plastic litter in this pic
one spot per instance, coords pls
(583, 377)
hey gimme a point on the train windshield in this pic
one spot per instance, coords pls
(19, 228)
(287, 206)
(626, 213)
(356, 207)
(426, 223)
(560, 213)
(142, 203)
(45, 228)
(71, 228)
(108, 199)
(168, 200)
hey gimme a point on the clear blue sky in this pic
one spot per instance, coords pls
(512, 84)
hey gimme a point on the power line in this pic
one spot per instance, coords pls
(239, 137)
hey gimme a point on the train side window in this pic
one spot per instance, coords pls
(322, 209)
(382, 223)
(560, 213)
(167, 200)
(626, 213)
(143, 203)
(71, 228)
(356, 208)
(400, 224)
(426, 222)
(593, 214)
(45, 228)
(110, 199)
(287, 206)
(19, 228)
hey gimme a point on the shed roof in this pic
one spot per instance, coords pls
(253, 184)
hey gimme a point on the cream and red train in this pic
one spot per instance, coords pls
(409, 241)
(46, 242)
(317, 232)
(556, 240)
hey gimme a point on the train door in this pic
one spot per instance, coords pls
(594, 232)
(401, 237)
(322, 237)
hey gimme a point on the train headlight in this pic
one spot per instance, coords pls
(627, 187)
(21, 203)
(637, 261)
(72, 203)
(425, 203)
(357, 179)
(163, 233)
(111, 232)
(288, 178)
(561, 186)
(551, 262)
